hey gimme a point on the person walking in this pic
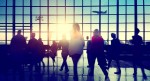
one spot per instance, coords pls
(115, 52)
(76, 47)
(97, 47)
(64, 45)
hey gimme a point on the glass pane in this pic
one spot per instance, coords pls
(86, 19)
(19, 10)
(26, 2)
(3, 10)
(2, 19)
(86, 2)
(44, 2)
(26, 10)
(130, 2)
(9, 10)
(69, 2)
(19, 2)
(9, 2)
(86, 27)
(36, 2)
(104, 27)
(3, 3)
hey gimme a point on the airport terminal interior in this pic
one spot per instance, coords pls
(51, 19)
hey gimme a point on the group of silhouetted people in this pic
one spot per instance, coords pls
(22, 53)
(95, 50)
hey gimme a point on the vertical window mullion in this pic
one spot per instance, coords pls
(90, 18)
(6, 24)
(23, 16)
(48, 21)
(14, 18)
(30, 17)
(117, 19)
(126, 21)
(144, 21)
(82, 17)
(108, 23)
(40, 18)
(57, 20)
(100, 16)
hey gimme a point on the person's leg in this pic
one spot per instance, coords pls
(88, 59)
(109, 62)
(63, 64)
(92, 63)
(66, 65)
(118, 67)
(103, 67)
(142, 68)
(102, 63)
(135, 68)
(75, 59)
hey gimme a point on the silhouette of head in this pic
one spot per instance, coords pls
(40, 39)
(96, 32)
(113, 35)
(76, 27)
(137, 31)
(32, 35)
(19, 32)
(87, 37)
(54, 41)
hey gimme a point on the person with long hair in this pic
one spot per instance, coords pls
(76, 47)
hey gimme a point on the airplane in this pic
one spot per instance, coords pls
(100, 12)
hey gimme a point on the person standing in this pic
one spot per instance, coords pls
(137, 52)
(76, 47)
(41, 51)
(98, 52)
(64, 45)
(88, 51)
(18, 46)
(115, 51)
(33, 50)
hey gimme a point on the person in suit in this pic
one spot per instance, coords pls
(115, 51)
(64, 45)
(97, 48)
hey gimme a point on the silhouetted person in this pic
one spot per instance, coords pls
(88, 51)
(76, 47)
(54, 48)
(33, 50)
(18, 46)
(115, 52)
(137, 52)
(64, 45)
(41, 51)
(98, 52)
